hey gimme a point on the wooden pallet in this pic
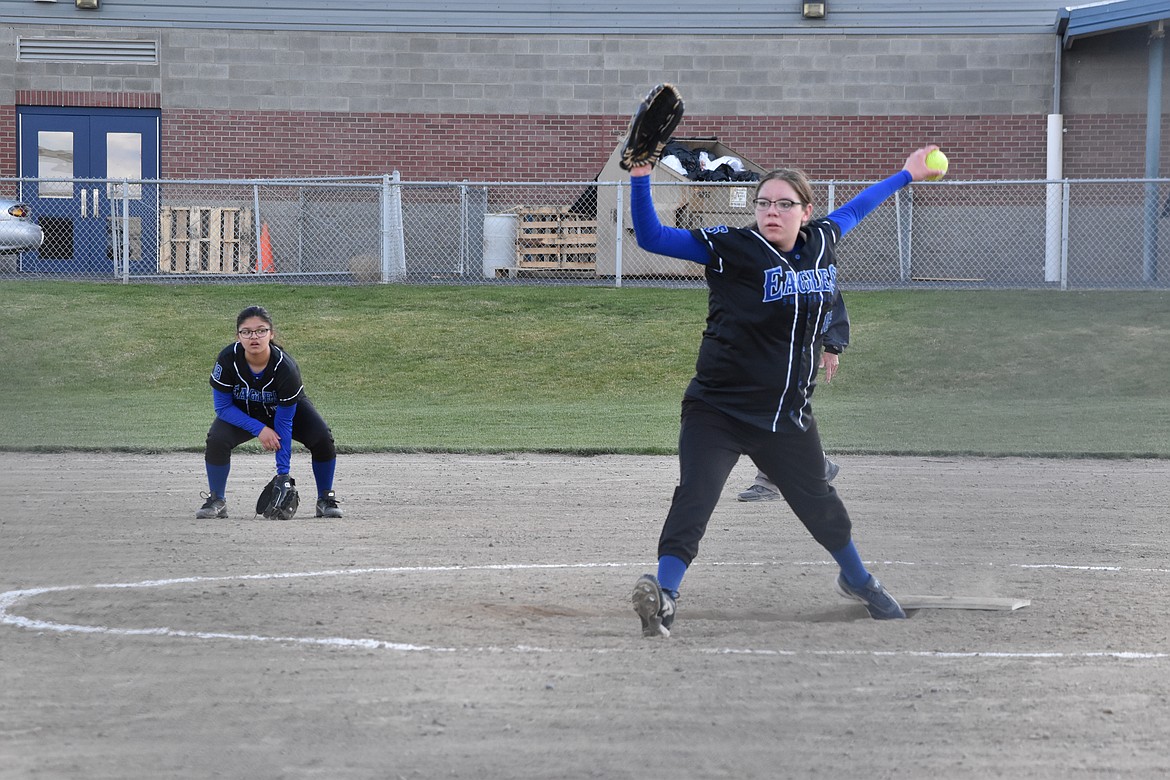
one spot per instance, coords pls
(554, 238)
(205, 240)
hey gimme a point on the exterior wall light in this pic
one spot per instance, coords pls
(807, 10)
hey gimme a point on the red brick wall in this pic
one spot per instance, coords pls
(421, 147)
(1109, 147)
(8, 160)
(870, 147)
(38, 97)
(539, 148)
(444, 147)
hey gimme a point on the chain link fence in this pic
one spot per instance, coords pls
(1101, 234)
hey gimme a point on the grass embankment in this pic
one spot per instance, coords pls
(570, 369)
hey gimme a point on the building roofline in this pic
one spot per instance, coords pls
(1084, 21)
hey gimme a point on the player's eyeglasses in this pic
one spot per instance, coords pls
(782, 205)
(249, 333)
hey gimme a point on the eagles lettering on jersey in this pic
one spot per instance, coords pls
(251, 395)
(781, 282)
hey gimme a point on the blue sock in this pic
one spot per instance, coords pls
(852, 569)
(670, 573)
(323, 474)
(217, 478)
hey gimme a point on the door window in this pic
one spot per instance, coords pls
(124, 161)
(55, 161)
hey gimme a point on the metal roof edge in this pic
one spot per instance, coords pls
(1089, 19)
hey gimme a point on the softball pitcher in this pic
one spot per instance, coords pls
(771, 286)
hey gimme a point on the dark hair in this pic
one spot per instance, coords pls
(254, 311)
(795, 178)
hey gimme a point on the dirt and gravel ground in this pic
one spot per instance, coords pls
(470, 618)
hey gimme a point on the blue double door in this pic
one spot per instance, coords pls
(91, 183)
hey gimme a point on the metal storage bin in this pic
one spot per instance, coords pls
(685, 204)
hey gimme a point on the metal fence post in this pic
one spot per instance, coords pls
(904, 232)
(125, 231)
(1064, 234)
(1055, 261)
(385, 228)
(393, 238)
(302, 220)
(620, 235)
(464, 233)
(1157, 47)
(1150, 234)
(257, 227)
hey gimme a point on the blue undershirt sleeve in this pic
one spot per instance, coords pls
(655, 237)
(227, 411)
(282, 424)
(867, 200)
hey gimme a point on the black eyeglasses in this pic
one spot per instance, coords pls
(249, 332)
(784, 204)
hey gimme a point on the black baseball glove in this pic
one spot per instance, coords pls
(279, 498)
(652, 125)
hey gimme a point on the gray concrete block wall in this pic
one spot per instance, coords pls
(78, 76)
(800, 75)
(1108, 75)
(8, 37)
(821, 75)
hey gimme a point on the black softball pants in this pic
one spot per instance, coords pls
(710, 443)
(309, 428)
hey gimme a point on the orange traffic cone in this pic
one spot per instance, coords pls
(267, 264)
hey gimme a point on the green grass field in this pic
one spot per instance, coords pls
(582, 370)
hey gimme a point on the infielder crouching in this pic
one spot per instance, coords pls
(258, 393)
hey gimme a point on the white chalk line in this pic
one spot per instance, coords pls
(13, 597)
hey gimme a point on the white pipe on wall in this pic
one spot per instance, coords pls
(1055, 172)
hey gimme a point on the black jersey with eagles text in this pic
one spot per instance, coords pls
(279, 385)
(766, 311)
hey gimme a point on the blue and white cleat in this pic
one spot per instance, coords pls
(877, 600)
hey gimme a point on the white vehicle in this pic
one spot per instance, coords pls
(18, 233)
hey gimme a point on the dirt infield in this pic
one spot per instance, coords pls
(470, 618)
